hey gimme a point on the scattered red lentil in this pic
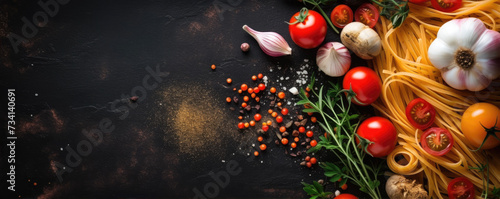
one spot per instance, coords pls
(228, 99)
(260, 76)
(282, 129)
(213, 67)
(256, 153)
(263, 147)
(309, 134)
(254, 78)
(260, 139)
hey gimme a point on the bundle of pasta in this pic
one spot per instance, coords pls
(407, 73)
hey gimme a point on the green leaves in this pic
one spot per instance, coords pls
(394, 10)
(315, 190)
(496, 192)
(340, 123)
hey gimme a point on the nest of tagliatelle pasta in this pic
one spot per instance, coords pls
(407, 73)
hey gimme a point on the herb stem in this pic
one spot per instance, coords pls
(316, 5)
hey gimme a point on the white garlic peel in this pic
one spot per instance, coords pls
(333, 59)
(466, 53)
(361, 39)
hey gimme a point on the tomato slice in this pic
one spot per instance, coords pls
(461, 188)
(446, 5)
(437, 141)
(341, 16)
(420, 113)
(367, 14)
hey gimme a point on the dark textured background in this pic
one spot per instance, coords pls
(93, 53)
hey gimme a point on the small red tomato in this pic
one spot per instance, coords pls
(308, 164)
(341, 16)
(262, 87)
(313, 160)
(420, 113)
(279, 119)
(381, 132)
(265, 128)
(307, 159)
(307, 28)
(257, 117)
(367, 14)
(260, 75)
(309, 134)
(461, 187)
(284, 111)
(437, 141)
(365, 83)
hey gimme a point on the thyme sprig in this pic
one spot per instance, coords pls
(341, 122)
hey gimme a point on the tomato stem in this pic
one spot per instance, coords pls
(316, 5)
(489, 132)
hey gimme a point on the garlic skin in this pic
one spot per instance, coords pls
(361, 39)
(467, 53)
(273, 44)
(333, 59)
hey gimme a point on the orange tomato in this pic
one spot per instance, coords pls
(473, 120)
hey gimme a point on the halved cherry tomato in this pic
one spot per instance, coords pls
(461, 188)
(437, 141)
(307, 28)
(420, 113)
(381, 132)
(446, 5)
(341, 16)
(346, 196)
(481, 123)
(367, 14)
(365, 83)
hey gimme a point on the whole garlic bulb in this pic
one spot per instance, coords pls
(333, 59)
(467, 53)
(361, 39)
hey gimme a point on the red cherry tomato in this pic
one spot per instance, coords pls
(461, 188)
(365, 83)
(346, 196)
(367, 14)
(381, 132)
(420, 113)
(307, 28)
(446, 5)
(437, 141)
(341, 16)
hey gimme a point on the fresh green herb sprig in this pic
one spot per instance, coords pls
(317, 4)
(340, 122)
(316, 190)
(394, 10)
(484, 169)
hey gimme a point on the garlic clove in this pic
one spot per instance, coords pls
(470, 31)
(476, 81)
(488, 45)
(333, 59)
(273, 44)
(441, 54)
(449, 33)
(488, 67)
(455, 77)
